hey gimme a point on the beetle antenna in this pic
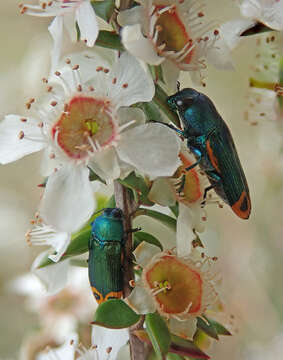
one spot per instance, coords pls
(178, 85)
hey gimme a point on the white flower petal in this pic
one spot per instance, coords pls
(139, 46)
(12, 147)
(145, 252)
(126, 115)
(66, 351)
(140, 300)
(219, 54)
(105, 338)
(87, 22)
(152, 148)
(183, 328)
(171, 74)
(185, 234)
(70, 25)
(132, 16)
(56, 31)
(48, 164)
(60, 241)
(68, 199)
(105, 164)
(231, 31)
(161, 192)
(53, 277)
(134, 83)
(124, 353)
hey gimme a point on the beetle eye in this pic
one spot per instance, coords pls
(179, 102)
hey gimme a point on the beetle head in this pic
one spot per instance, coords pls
(183, 99)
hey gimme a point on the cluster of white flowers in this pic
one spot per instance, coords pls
(88, 122)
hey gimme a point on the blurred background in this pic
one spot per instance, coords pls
(250, 252)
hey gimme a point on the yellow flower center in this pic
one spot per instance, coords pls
(176, 287)
(85, 126)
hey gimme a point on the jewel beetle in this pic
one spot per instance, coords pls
(106, 250)
(209, 139)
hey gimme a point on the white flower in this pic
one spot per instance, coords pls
(165, 191)
(67, 13)
(268, 12)
(264, 96)
(82, 123)
(42, 234)
(172, 33)
(180, 288)
(61, 311)
(107, 344)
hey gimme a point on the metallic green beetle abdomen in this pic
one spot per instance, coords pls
(106, 247)
(105, 270)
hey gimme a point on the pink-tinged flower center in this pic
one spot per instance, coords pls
(192, 190)
(171, 34)
(176, 286)
(85, 126)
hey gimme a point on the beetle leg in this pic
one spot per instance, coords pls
(180, 132)
(206, 190)
(130, 231)
(196, 153)
(182, 184)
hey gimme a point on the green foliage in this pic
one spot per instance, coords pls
(141, 236)
(166, 220)
(115, 314)
(184, 347)
(220, 329)
(109, 40)
(139, 187)
(158, 333)
(103, 9)
(207, 327)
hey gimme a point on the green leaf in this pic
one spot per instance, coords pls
(207, 327)
(220, 329)
(115, 314)
(151, 110)
(109, 40)
(166, 220)
(138, 184)
(93, 177)
(111, 203)
(178, 346)
(172, 356)
(184, 347)
(103, 9)
(156, 73)
(78, 262)
(158, 333)
(141, 236)
(255, 29)
(175, 209)
(160, 100)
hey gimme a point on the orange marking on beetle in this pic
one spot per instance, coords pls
(212, 157)
(242, 207)
(101, 299)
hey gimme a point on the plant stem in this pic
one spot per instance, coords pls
(125, 203)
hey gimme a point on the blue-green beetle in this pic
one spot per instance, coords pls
(210, 140)
(106, 250)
